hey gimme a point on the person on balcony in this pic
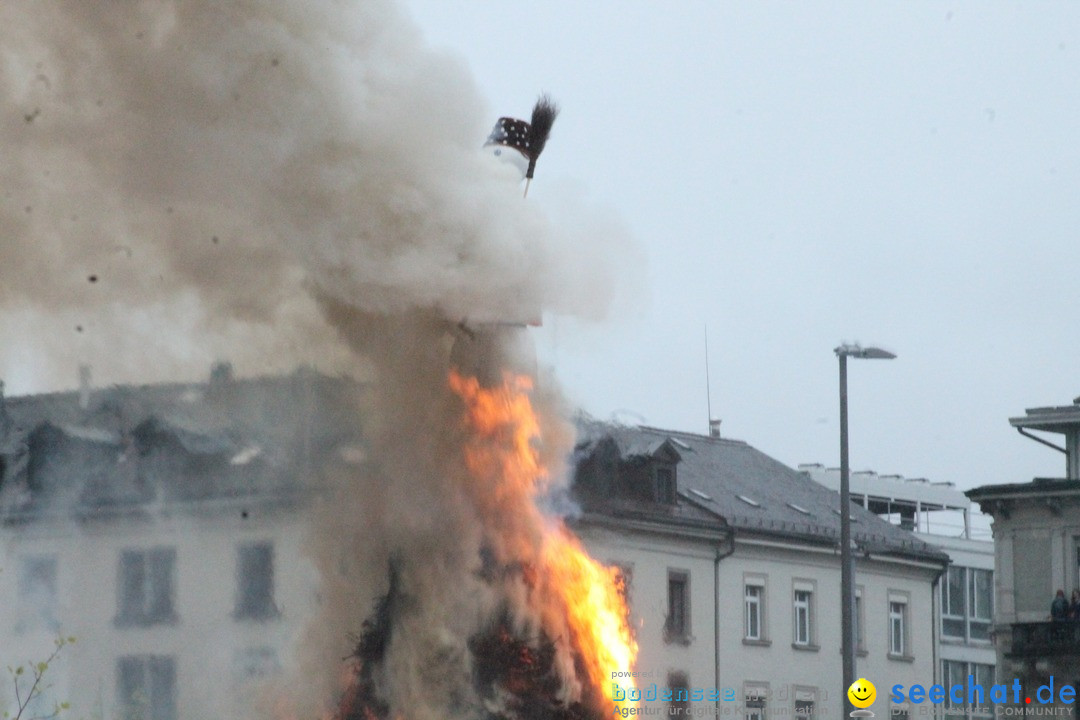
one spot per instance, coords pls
(1059, 608)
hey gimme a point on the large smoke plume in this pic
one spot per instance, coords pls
(279, 182)
(188, 172)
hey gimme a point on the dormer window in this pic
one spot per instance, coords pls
(664, 482)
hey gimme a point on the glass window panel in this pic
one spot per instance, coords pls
(858, 639)
(979, 630)
(982, 594)
(956, 596)
(802, 617)
(896, 628)
(753, 612)
(953, 628)
(953, 673)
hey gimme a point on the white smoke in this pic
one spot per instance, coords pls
(203, 165)
(277, 182)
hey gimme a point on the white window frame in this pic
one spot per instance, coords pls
(948, 669)
(802, 606)
(899, 625)
(680, 634)
(757, 693)
(38, 593)
(975, 612)
(146, 587)
(986, 683)
(754, 608)
(971, 612)
(962, 669)
(254, 593)
(154, 696)
(804, 695)
(860, 620)
(948, 603)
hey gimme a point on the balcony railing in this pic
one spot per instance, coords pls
(1044, 639)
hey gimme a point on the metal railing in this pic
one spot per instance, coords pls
(1043, 639)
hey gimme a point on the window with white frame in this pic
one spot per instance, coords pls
(754, 702)
(146, 686)
(624, 580)
(37, 608)
(858, 624)
(803, 605)
(956, 672)
(255, 582)
(897, 627)
(980, 603)
(679, 706)
(145, 587)
(666, 487)
(754, 604)
(984, 677)
(967, 604)
(677, 625)
(804, 704)
(953, 672)
(954, 603)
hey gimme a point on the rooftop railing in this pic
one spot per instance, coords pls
(1045, 639)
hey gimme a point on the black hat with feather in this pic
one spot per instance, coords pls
(527, 138)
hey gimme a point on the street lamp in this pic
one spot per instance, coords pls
(847, 560)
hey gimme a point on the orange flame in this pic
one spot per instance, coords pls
(573, 593)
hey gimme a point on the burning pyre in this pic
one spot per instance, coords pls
(553, 669)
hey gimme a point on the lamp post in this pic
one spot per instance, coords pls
(847, 560)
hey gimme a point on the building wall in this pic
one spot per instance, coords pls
(776, 664)
(784, 665)
(1036, 554)
(228, 656)
(649, 558)
(971, 554)
(942, 517)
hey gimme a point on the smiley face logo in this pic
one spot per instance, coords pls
(862, 693)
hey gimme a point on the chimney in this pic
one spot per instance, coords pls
(84, 386)
(714, 428)
(221, 373)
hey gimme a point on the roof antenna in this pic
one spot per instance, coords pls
(714, 423)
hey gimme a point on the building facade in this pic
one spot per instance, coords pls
(763, 618)
(162, 527)
(152, 525)
(1037, 553)
(943, 517)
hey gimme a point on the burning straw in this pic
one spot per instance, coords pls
(557, 620)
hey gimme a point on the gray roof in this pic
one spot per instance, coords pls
(1060, 419)
(126, 445)
(1039, 487)
(756, 494)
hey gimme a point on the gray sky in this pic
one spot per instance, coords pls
(802, 174)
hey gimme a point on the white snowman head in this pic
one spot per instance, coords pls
(509, 142)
